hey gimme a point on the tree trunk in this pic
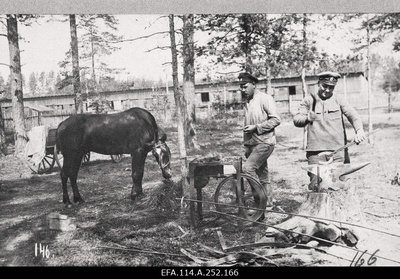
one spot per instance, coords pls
(16, 84)
(76, 80)
(303, 72)
(370, 138)
(94, 76)
(245, 44)
(268, 79)
(180, 104)
(3, 150)
(189, 79)
(268, 57)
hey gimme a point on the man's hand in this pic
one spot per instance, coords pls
(249, 128)
(311, 116)
(360, 136)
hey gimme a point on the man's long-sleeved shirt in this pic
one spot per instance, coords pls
(326, 132)
(261, 111)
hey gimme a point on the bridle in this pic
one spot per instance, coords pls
(164, 149)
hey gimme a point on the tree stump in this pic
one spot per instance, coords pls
(334, 201)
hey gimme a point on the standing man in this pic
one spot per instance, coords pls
(260, 120)
(322, 113)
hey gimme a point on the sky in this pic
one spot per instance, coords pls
(44, 45)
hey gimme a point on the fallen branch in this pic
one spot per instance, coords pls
(385, 198)
(214, 252)
(241, 256)
(192, 257)
(260, 244)
(227, 260)
(382, 216)
(185, 233)
(222, 240)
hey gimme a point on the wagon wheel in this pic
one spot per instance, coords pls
(45, 165)
(86, 158)
(252, 195)
(116, 158)
(59, 157)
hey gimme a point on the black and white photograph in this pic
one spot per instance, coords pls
(200, 138)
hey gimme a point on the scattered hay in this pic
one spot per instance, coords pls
(165, 196)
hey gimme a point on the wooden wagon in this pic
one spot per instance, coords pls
(53, 156)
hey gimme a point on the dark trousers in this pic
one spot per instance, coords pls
(256, 166)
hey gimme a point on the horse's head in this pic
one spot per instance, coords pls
(163, 156)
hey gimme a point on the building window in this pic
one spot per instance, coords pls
(292, 90)
(205, 97)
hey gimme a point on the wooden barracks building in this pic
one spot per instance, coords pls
(287, 93)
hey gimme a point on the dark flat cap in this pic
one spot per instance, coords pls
(329, 78)
(246, 78)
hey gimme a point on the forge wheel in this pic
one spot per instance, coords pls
(252, 195)
(116, 158)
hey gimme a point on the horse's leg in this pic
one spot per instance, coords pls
(65, 170)
(76, 164)
(138, 161)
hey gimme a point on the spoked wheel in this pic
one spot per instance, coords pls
(116, 158)
(45, 165)
(251, 193)
(86, 158)
(59, 157)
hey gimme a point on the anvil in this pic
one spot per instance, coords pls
(332, 176)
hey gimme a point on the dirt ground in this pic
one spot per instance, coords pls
(112, 230)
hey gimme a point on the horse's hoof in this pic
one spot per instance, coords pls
(80, 201)
(68, 205)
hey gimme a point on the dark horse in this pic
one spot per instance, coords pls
(133, 131)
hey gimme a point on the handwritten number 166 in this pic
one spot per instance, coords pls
(360, 261)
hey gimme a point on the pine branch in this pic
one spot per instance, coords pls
(162, 47)
(159, 47)
(140, 38)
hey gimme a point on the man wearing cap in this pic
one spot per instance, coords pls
(260, 119)
(322, 113)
